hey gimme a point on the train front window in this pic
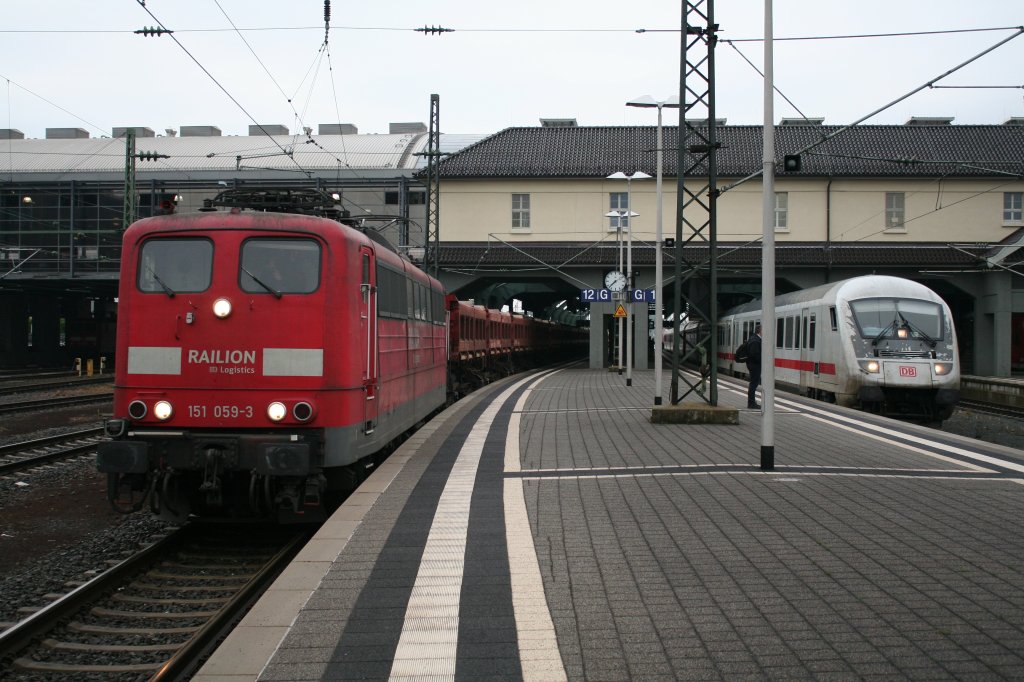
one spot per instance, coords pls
(894, 317)
(172, 266)
(280, 266)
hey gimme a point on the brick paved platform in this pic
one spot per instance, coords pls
(544, 529)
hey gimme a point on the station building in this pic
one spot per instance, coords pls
(523, 214)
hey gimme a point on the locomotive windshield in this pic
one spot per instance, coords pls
(170, 266)
(885, 317)
(280, 266)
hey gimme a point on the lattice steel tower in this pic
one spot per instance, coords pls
(696, 211)
(433, 238)
(131, 200)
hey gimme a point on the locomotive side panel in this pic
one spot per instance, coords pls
(402, 356)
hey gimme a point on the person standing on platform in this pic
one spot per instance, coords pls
(754, 367)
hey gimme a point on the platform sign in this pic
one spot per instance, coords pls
(595, 295)
(641, 295)
(605, 295)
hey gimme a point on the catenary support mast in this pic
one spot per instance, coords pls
(695, 289)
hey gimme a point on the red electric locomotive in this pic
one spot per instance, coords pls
(263, 360)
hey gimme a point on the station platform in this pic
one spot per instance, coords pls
(543, 529)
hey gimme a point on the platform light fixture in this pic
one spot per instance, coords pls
(619, 272)
(648, 102)
(629, 214)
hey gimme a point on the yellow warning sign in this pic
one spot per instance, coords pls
(620, 311)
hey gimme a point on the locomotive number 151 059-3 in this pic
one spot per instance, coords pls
(221, 411)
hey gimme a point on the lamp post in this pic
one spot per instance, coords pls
(619, 215)
(628, 214)
(672, 103)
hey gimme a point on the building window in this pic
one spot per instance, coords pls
(894, 211)
(782, 211)
(415, 198)
(618, 201)
(1013, 208)
(520, 211)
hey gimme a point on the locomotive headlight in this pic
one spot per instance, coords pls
(162, 410)
(870, 366)
(303, 411)
(902, 333)
(137, 409)
(943, 368)
(222, 308)
(276, 411)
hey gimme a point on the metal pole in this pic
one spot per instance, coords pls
(629, 282)
(768, 255)
(677, 268)
(621, 321)
(658, 274)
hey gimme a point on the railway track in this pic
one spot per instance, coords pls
(997, 409)
(54, 403)
(156, 612)
(23, 385)
(28, 373)
(31, 453)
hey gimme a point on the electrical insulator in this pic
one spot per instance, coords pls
(433, 30)
(151, 31)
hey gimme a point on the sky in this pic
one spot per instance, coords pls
(74, 64)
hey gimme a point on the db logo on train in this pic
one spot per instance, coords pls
(908, 371)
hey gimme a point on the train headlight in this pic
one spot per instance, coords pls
(902, 333)
(162, 410)
(943, 368)
(303, 411)
(222, 308)
(870, 366)
(276, 411)
(137, 409)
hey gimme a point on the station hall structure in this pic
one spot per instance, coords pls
(523, 216)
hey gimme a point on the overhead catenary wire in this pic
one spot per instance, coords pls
(1018, 30)
(405, 29)
(216, 82)
(238, 104)
(102, 131)
(322, 52)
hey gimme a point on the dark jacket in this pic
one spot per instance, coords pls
(754, 351)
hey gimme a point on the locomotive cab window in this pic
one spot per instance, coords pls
(898, 318)
(171, 266)
(280, 266)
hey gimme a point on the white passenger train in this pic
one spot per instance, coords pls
(882, 344)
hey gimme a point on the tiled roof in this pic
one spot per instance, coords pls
(482, 255)
(861, 151)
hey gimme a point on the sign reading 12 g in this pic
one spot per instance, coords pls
(600, 295)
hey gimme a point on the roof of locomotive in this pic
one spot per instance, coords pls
(266, 221)
(239, 220)
(855, 287)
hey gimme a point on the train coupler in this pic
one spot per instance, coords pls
(312, 491)
(127, 493)
(211, 485)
